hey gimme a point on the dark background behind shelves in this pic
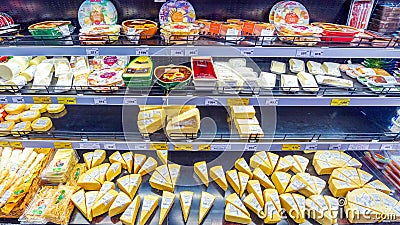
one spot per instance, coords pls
(27, 12)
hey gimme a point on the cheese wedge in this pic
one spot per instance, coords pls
(164, 172)
(296, 184)
(314, 212)
(359, 214)
(119, 205)
(128, 159)
(333, 206)
(78, 198)
(233, 214)
(295, 166)
(302, 162)
(243, 179)
(148, 166)
(117, 157)
(138, 162)
(323, 167)
(259, 175)
(167, 202)
(251, 202)
(103, 168)
(235, 200)
(186, 198)
(283, 165)
(88, 183)
(281, 180)
(218, 175)
(233, 179)
(378, 185)
(130, 214)
(174, 171)
(364, 177)
(206, 202)
(90, 200)
(266, 167)
(272, 215)
(242, 166)
(172, 110)
(157, 181)
(129, 184)
(273, 160)
(98, 157)
(354, 163)
(340, 188)
(295, 205)
(163, 156)
(257, 162)
(150, 203)
(88, 157)
(104, 203)
(253, 186)
(200, 169)
(104, 189)
(113, 171)
(243, 112)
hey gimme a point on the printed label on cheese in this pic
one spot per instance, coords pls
(127, 157)
(107, 199)
(255, 203)
(115, 167)
(134, 181)
(103, 170)
(79, 197)
(244, 180)
(187, 200)
(166, 202)
(105, 188)
(124, 182)
(238, 202)
(97, 155)
(6, 196)
(282, 178)
(41, 122)
(174, 173)
(90, 201)
(117, 157)
(234, 211)
(274, 196)
(321, 202)
(87, 178)
(206, 202)
(120, 201)
(202, 168)
(147, 204)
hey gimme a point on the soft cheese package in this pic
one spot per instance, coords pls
(315, 68)
(289, 83)
(296, 65)
(278, 67)
(331, 69)
(81, 70)
(43, 74)
(267, 80)
(307, 82)
(334, 81)
(64, 73)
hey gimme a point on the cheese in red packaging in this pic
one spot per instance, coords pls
(230, 29)
(215, 27)
(248, 27)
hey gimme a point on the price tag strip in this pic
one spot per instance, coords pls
(62, 145)
(66, 100)
(159, 146)
(41, 100)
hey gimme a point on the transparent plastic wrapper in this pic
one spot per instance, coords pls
(334, 81)
(60, 167)
(81, 70)
(289, 83)
(43, 74)
(64, 73)
(278, 67)
(307, 82)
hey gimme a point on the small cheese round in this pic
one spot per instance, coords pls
(20, 128)
(41, 107)
(42, 124)
(6, 126)
(55, 108)
(13, 117)
(30, 115)
(14, 108)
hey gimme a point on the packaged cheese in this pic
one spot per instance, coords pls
(21, 128)
(278, 67)
(43, 75)
(42, 108)
(296, 65)
(6, 127)
(289, 83)
(315, 68)
(14, 108)
(331, 69)
(30, 115)
(333, 81)
(42, 124)
(307, 82)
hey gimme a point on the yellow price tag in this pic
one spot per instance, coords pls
(184, 147)
(238, 101)
(204, 147)
(340, 102)
(66, 100)
(4, 144)
(41, 100)
(60, 145)
(16, 144)
(159, 146)
(290, 147)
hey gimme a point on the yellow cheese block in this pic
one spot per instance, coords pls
(323, 167)
(14, 108)
(296, 184)
(340, 188)
(266, 166)
(353, 174)
(378, 185)
(302, 162)
(174, 171)
(259, 175)
(98, 157)
(138, 161)
(250, 131)
(42, 108)
(339, 175)
(206, 202)
(233, 214)
(333, 206)
(21, 128)
(103, 171)
(301, 204)
(200, 169)
(233, 179)
(345, 157)
(149, 107)
(235, 200)
(114, 170)
(149, 166)
(257, 162)
(157, 181)
(88, 183)
(175, 130)
(167, 202)
(315, 212)
(128, 159)
(156, 114)
(283, 165)
(242, 166)
(150, 203)
(149, 126)
(13, 117)
(79, 201)
(272, 195)
(88, 157)
(272, 207)
(174, 110)
(163, 156)
(119, 205)
(251, 202)
(117, 157)
(90, 200)
(164, 172)
(104, 203)
(359, 214)
(253, 186)
(273, 161)
(243, 180)
(281, 180)
(243, 112)
(130, 214)
(30, 115)
(55, 108)
(289, 204)
(295, 166)
(187, 122)
(217, 174)
(186, 198)
(104, 189)
(364, 177)
(129, 184)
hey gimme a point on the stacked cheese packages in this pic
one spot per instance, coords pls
(180, 121)
(246, 123)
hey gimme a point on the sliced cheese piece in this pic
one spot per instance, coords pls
(243, 112)
(243, 179)
(295, 166)
(164, 172)
(281, 181)
(218, 175)
(104, 189)
(290, 205)
(130, 214)
(186, 198)
(333, 206)
(200, 169)
(150, 203)
(378, 185)
(273, 161)
(301, 205)
(157, 181)
(129, 184)
(283, 165)
(119, 205)
(163, 156)
(128, 159)
(104, 203)
(354, 163)
(253, 186)
(319, 184)
(90, 200)
(88, 157)
(364, 177)
(102, 172)
(323, 167)
(233, 214)
(242, 166)
(139, 160)
(302, 162)
(278, 67)
(272, 215)
(340, 188)
(235, 200)
(117, 157)
(315, 212)
(315, 68)
(55, 108)
(98, 157)
(148, 166)
(359, 214)
(167, 202)
(233, 179)
(78, 198)
(351, 173)
(259, 175)
(88, 183)
(296, 65)
(296, 184)
(114, 170)
(173, 110)
(345, 157)
(257, 162)
(174, 171)
(206, 202)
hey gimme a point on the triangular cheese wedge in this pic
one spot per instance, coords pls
(257, 163)
(354, 163)
(200, 169)
(295, 166)
(273, 160)
(352, 174)
(188, 118)
(102, 172)
(233, 179)
(164, 172)
(290, 205)
(333, 206)
(340, 188)
(134, 183)
(88, 157)
(186, 198)
(235, 200)
(104, 189)
(243, 179)
(253, 186)
(206, 202)
(114, 170)
(119, 205)
(272, 195)
(148, 166)
(150, 203)
(296, 184)
(117, 157)
(218, 175)
(345, 157)
(251, 202)
(104, 203)
(364, 177)
(138, 162)
(235, 215)
(378, 185)
(259, 175)
(283, 165)
(158, 182)
(301, 205)
(130, 214)
(339, 174)
(174, 171)
(266, 165)
(123, 184)
(88, 183)
(302, 162)
(242, 166)
(163, 156)
(319, 184)
(281, 181)
(98, 157)
(272, 215)
(78, 198)
(167, 201)
(128, 159)
(323, 167)
(90, 200)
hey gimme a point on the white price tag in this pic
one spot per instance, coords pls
(178, 52)
(311, 147)
(141, 147)
(130, 101)
(18, 100)
(251, 147)
(358, 147)
(317, 53)
(387, 146)
(160, 0)
(247, 52)
(191, 51)
(92, 51)
(271, 102)
(335, 146)
(142, 51)
(100, 101)
(89, 145)
(220, 147)
(303, 53)
(211, 102)
(3, 100)
(232, 34)
(110, 146)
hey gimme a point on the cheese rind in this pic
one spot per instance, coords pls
(163, 156)
(88, 157)
(251, 202)
(78, 198)
(90, 200)
(186, 198)
(200, 169)
(157, 181)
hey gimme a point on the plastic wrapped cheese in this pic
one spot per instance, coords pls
(42, 108)
(37, 60)
(13, 117)
(64, 73)
(6, 127)
(81, 70)
(307, 82)
(55, 108)
(21, 128)
(331, 69)
(9, 70)
(14, 108)
(267, 80)
(43, 75)
(289, 83)
(278, 67)
(315, 68)
(334, 81)
(29, 73)
(30, 115)
(16, 83)
(42, 124)
(296, 65)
